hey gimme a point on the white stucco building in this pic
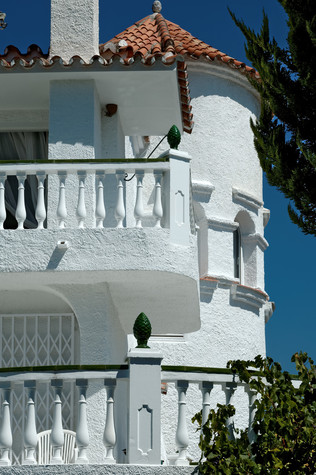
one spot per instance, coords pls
(99, 225)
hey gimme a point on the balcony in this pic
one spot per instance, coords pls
(125, 414)
(126, 223)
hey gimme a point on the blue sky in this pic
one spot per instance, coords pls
(290, 260)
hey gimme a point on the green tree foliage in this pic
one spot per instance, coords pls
(284, 428)
(285, 134)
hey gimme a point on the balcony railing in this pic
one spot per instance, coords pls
(135, 440)
(76, 195)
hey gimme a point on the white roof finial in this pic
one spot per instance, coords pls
(157, 6)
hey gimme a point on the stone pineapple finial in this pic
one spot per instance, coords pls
(142, 330)
(174, 137)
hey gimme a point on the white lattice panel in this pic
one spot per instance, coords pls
(37, 340)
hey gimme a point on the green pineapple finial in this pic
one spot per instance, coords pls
(142, 330)
(174, 137)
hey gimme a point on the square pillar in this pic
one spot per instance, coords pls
(144, 409)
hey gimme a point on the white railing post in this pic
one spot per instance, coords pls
(109, 436)
(40, 212)
(82, 433)
(81, 211)
(157, 209)
(252, 396)
(230, 389)
(120, 208)
(61, 208)
(3, 212)
(179, 197)
(206, 388)
(20, 212)
(100, 212)
(57, 434)
(5, 426)
(144, 410)
(139, 206)
(182, 438)
(30, 434)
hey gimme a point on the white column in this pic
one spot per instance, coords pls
(182, 438)
(30, 434)
(100, 212)
(57, 434)
(40, 212)
(20, 212)
(157, 209)
(82, 433)
(139, 206)
(252, 396)
(120, 208)
(206, 388)
(81, 211)
(230, 388)
(109, 436)
(3, 212)
(5, 426)
(61, 208)
(144, 410)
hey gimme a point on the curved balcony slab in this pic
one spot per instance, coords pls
(142, 269)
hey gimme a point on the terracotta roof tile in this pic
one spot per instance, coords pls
(150, 39)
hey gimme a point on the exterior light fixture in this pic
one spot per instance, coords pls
(3, 24)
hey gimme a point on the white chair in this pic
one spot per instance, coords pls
(44, 449)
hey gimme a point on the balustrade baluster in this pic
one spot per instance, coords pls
(230, 388)
(157, 209)
(57, 434)
(3, 212)
(139, 206)
(182, 438)
(20, 212)
(81, 212)
(120, 208)
(109, 436)
(61, 208)
(206, 389)
(5, 426)
(30, 434)
(82, 433)
(40, 212)
(252, 396)
(100, 212)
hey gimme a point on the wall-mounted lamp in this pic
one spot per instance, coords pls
(3, 24)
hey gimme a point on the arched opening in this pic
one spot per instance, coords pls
(46, 334)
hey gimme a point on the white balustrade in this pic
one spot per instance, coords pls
(139, 205)
(120, 207)
(82, 434)
(100, 212)
(57, 434)
(3, 213)
(252, 410)
(20, 213)
(61, 208)
(30, 434)
(40, 212)
(230, 389)
(5, 426)
(206, 388)
(81, 208)
(182, 437)
(158, 210)
(109, 436)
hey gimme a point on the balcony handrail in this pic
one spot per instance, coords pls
(107, 166)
